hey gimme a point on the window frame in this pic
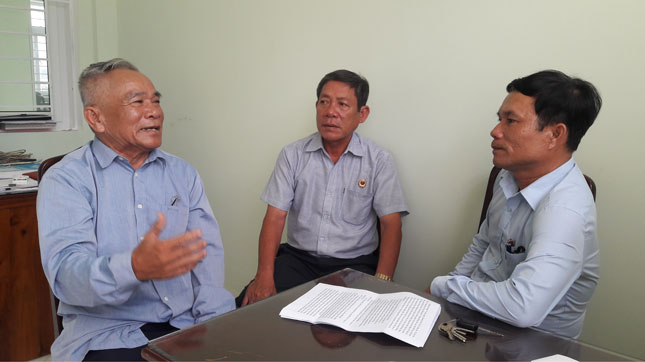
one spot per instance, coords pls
(62, 67)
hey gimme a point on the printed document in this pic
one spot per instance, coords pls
(405, 316)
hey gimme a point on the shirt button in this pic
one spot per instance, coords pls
(141, 238)
(136, 174)
(165, 299)
(140, 206)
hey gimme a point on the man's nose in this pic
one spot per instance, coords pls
(153, 110)
(331, 110)
(496, 132)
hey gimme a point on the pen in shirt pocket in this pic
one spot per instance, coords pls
(174, 200)
(509, 247)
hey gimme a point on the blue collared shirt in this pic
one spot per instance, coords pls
(93, 210)
(333, 208)
(535, 260)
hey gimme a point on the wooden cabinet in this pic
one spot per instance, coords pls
(26, 324)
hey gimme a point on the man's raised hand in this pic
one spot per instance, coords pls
(161, 259)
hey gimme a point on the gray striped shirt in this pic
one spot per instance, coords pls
(333, 208)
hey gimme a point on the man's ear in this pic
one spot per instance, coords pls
(94, 119)
(559, 134)
(365, 111)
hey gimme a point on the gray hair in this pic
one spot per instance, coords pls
(93, 72)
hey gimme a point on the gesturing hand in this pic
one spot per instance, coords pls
(161, 259)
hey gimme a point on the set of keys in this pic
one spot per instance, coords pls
(459, 329)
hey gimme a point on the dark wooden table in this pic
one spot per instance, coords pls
(256, 332)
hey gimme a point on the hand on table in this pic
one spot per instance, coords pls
(260, 288)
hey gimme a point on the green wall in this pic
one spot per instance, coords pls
(238, 79)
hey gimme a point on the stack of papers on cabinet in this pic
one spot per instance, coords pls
(26, 121)
(17, 185)
(12, 180)
(405, 316)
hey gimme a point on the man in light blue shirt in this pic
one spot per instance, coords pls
(128, 239)
(334, 185)
(535, 260)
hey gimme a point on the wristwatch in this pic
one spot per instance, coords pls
(387, 278)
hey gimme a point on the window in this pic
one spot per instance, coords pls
(38, 65)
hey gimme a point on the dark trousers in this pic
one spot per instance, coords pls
(150, 330)
(294, 267)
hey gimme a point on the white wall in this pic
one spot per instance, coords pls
(238, 80)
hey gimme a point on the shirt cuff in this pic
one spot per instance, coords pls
(121, 266)
(276, 204)
(439, 286)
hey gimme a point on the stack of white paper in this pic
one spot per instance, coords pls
(405, 316)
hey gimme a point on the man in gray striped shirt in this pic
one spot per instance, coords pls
(341, 193)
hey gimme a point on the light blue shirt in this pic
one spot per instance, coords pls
(550, 273)
(93, 209)
(333, 208)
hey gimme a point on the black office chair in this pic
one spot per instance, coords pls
(491, 182)
(58, 320)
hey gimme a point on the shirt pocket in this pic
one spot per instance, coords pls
(512, 259)
(356, 207)
(176, 221)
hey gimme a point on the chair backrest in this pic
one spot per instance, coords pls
(58, 320)
(45, 165)
(489, 192)
(491, 182)
(592, 186)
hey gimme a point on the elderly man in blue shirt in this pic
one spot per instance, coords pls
(334, 185)
(128, 239)
(535, 260)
